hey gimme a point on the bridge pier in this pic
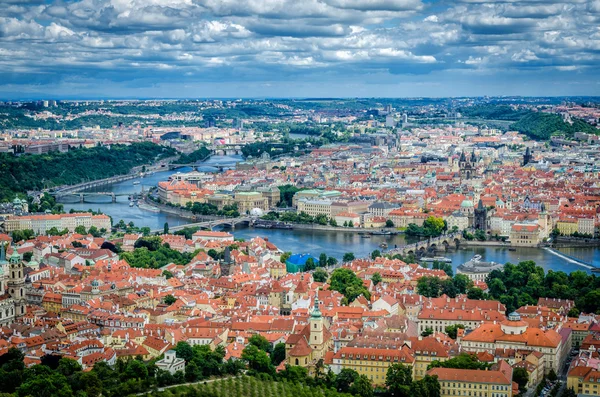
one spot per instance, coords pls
(81, 197)
(113, 198)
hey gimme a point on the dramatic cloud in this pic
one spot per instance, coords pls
(298, 47)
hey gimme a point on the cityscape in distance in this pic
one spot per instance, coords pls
(333, 198)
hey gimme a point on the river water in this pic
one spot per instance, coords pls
(315, 241)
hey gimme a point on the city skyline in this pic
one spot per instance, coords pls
(330, 48)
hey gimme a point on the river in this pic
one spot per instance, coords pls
(314, 241)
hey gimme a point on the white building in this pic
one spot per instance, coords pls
(171, 362)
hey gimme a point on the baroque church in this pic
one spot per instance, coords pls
(12, 287)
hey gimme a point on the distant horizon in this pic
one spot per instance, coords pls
(266, 98)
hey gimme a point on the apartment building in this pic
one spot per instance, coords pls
(373, 363)
(496, 382)
(40, 224)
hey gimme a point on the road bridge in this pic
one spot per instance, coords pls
(195, 166)
(88, 197)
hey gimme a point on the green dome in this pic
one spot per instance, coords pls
(467, 204)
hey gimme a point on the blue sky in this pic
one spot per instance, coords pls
(281, 48)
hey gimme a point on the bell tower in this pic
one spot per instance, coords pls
(316, 326)
(16, 283)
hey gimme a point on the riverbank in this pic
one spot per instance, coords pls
(327, 228)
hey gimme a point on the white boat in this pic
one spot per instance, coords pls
(131, 204)
(136, 182)
(437, 259)
(147, 207)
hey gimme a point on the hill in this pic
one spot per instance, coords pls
(18, 174)
(543, 125)
(247, 387)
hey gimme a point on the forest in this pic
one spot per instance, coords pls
(542, 126)
(19, 174)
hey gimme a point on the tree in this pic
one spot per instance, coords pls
(573, 312)
(260, 342)
(521, 377)
(376, 278)
(169, 299)
(167, 274)
(333, 222)
(345, 379)
(320, 275)
(257, 360)
(166, 228)
(428, 331)
(348, 257)
(375, 254)
(80, 229)
(94, 231)
(278, 354)
(309, 265)
(362, 387)
(452, 330)
(322, 259)
(398, 379)
(552, 376)
(92, 385)
(27, 256)
(475, 293)
(185, 351)
(462, 361)
(294, 374)
(331, 261)
(285, 256)
(68, 367)
(389, 223)
(348, 284)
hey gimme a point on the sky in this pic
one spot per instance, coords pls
(298, 48)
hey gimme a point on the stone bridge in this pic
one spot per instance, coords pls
(441, 243)
(209, 225)
(87, 197)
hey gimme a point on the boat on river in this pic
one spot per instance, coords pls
(136, 182)
(437, 259)
(381, 233)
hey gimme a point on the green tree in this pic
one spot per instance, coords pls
(68, 367)
(452, 330)
(320, 275)
(428, 331)
(167, 274)
(521, 377)
(348, 284)
(333, 222)
(260, 342)
(475, 293)
(348, 257)
(184, 350)
(322, 259)
(345, 379)
(278, 354)
(375, 254)
(376, 278)
(362, 387)
(309, 265)
(462, 361)
(80, 229)
(27, 256)
(573, 312)
(331, 261)
(285, 256)
(552, 376)
(166, 228)
(92, 385)
(389, 223)
(257, 360)
(169, 299)
(398, 380)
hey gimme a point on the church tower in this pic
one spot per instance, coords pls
(16, 283)
(316, 326)
(527, 157)
(544, 222)
(480, 217)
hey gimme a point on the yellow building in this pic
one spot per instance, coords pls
(373, 363)
(315, 207)
(584, 381)
(247, 201)
(525, 234)
(567, 226)
(496, 382)
(426, 350)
